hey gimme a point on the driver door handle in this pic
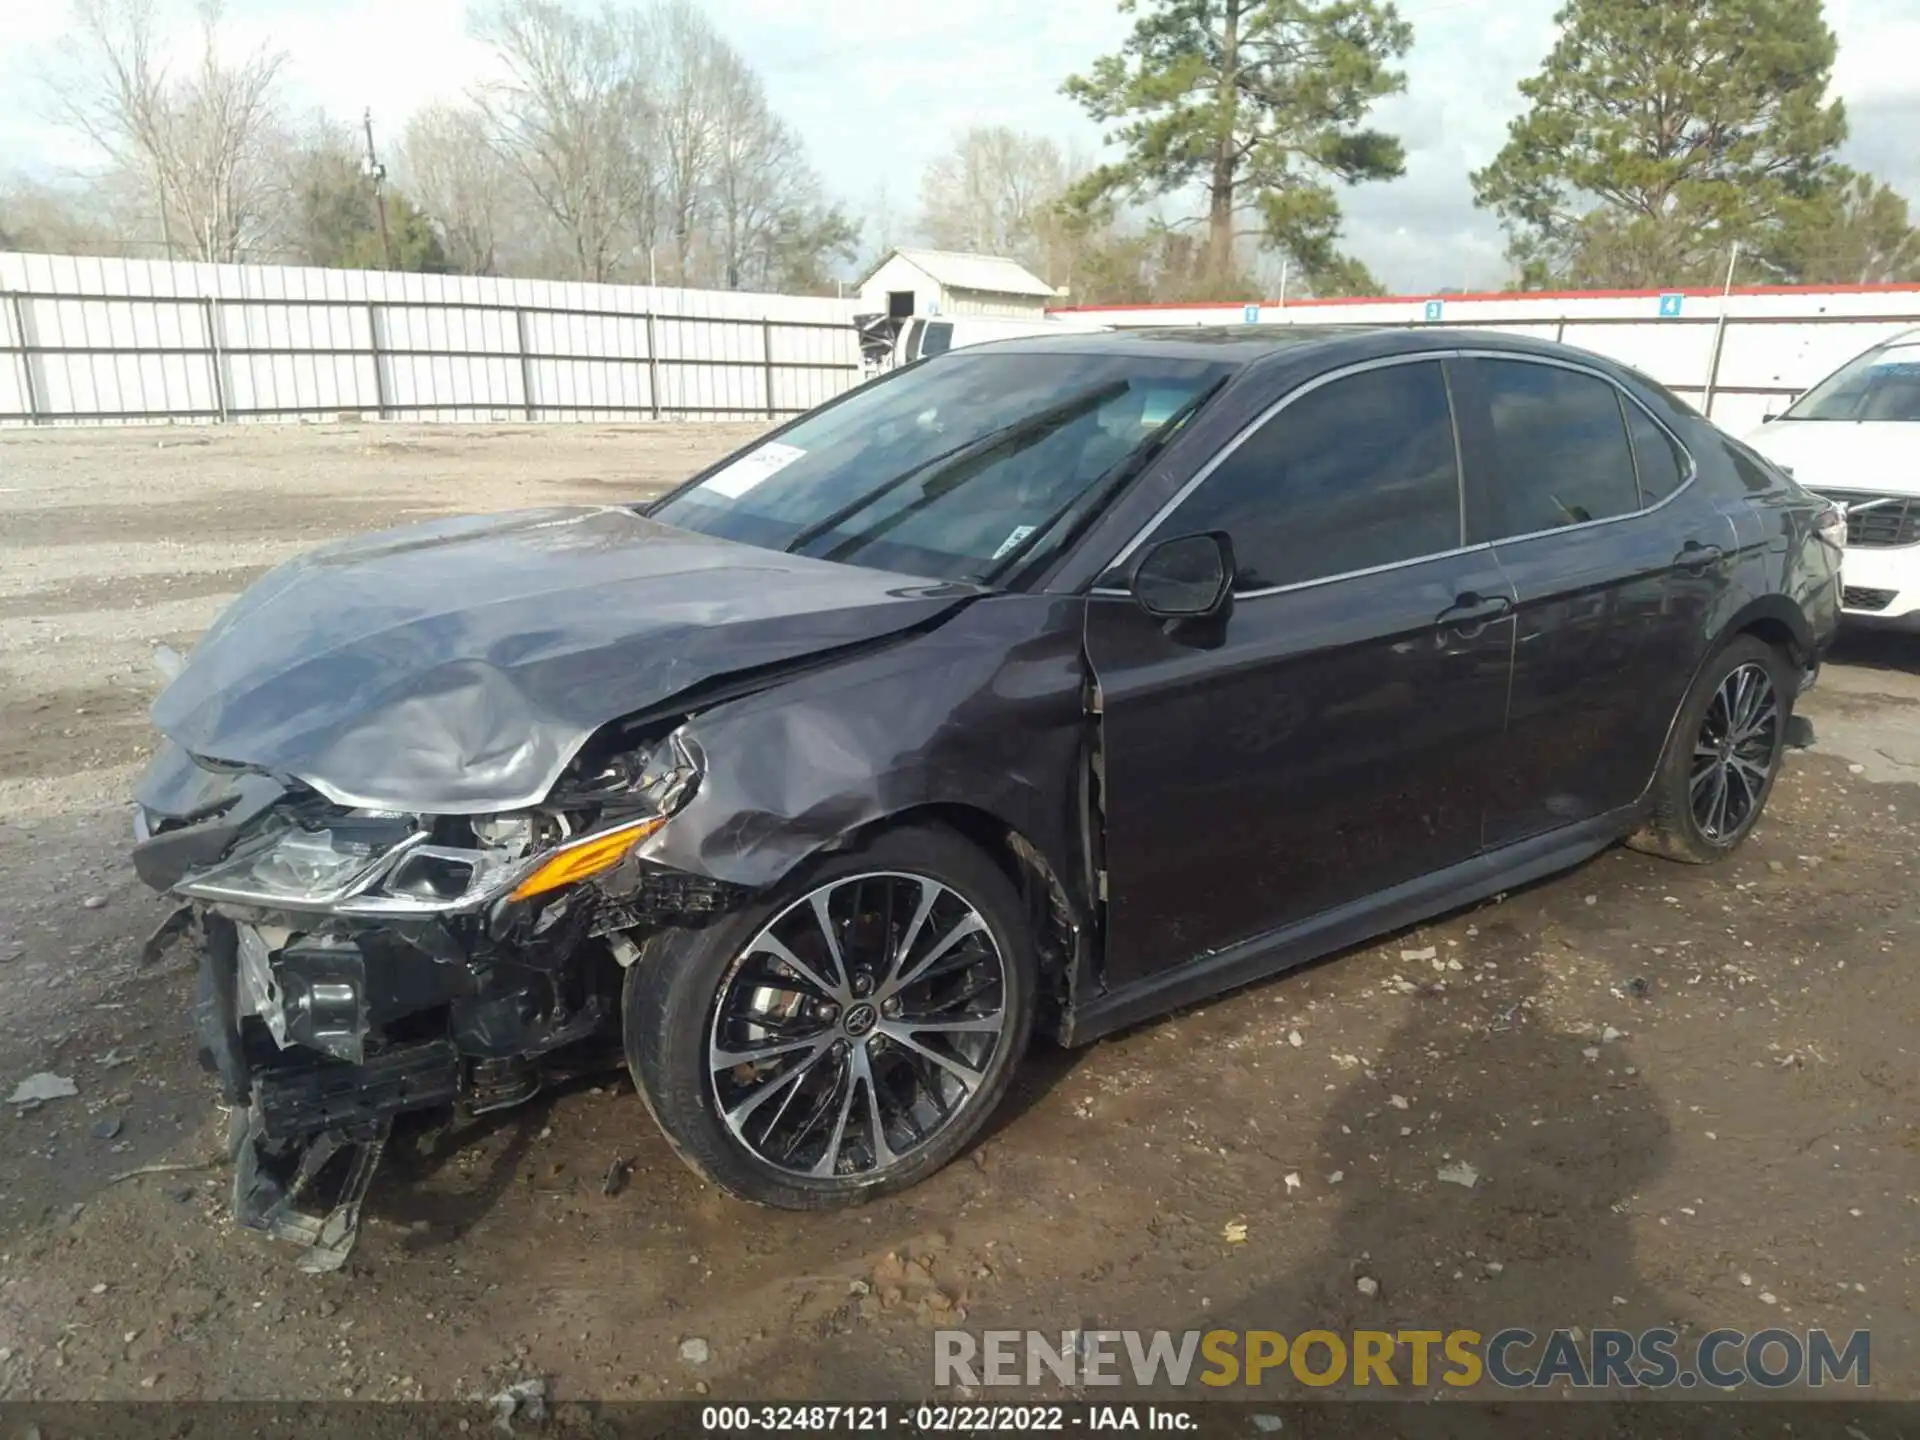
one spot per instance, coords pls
(1472, 612)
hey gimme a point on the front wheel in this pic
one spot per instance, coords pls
(845, 1038)
(1723, 756)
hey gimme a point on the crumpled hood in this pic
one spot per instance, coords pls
(457, 666)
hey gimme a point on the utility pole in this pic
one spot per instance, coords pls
(377, 173)
(166, 224)
(1720, 330)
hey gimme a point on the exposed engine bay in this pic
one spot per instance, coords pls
(358, 964)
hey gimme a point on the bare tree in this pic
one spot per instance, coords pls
(882, 225)
(448, 163)
(745, 206)
(648, 218)
(203, 143)
(565, 120)
(611, 135)
(995, 192)
(757, 167)
(690, 68)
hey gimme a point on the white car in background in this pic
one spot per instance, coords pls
(1855, 439)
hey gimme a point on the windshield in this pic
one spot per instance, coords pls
(949, 469)
(1883, 384)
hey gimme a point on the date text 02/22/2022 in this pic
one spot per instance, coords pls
(942, 1419)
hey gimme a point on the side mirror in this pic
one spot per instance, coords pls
(1189, 577)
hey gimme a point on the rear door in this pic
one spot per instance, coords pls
(1335, 736)
(1614, 559)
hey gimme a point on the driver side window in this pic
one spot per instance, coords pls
(1359, 473)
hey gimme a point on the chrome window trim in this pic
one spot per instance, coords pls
(1110, 592)
(1200, 476)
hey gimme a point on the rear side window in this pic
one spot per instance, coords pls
(1560, 447)
(1359, 473)
(914, 332)
(938, 340)
(1659, 462)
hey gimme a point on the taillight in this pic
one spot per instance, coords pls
(1831, 525)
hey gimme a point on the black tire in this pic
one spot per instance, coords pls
(669, 1022)
(1675, 829)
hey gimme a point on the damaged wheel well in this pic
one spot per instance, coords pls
(1777, 633)
(1058, 930)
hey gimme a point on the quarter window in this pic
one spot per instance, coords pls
(1754, 473)
(1359, 473)
(1560, 447)
(1658, 461)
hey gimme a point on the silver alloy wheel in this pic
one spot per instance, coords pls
(857, 1025)
(1733, 753)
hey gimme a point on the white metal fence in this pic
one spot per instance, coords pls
(85, 340)
(1739, 358)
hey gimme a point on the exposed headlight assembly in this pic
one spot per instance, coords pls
(298, 869)
(379, 864)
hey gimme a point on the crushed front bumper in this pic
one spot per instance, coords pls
(339, 990)
(320, 1042)
(308, 1126)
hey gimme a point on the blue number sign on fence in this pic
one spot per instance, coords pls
(1250, 314)
(1435, 309)
(1670, 305)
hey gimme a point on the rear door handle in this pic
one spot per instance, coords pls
(1472, 612)
(1697, 557)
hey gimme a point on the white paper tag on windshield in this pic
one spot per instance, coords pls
(750, 470)
(1007, 546)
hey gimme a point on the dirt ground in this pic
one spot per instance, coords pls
(1689, 1094)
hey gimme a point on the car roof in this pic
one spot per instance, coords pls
(1325, 345)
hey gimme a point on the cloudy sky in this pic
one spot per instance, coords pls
(878, 87)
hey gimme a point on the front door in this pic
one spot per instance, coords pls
(1333, 737)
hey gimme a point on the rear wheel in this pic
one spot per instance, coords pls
(1723, 756)
(846, 1038)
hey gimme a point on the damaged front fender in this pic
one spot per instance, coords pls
(984, 714)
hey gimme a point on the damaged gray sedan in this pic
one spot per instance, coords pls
(1046, 685)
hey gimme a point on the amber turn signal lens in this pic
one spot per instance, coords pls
(584, 858)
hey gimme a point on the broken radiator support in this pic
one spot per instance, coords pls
(296, 1100)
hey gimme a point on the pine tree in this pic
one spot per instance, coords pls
(1260, 103)
(1659, 133)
